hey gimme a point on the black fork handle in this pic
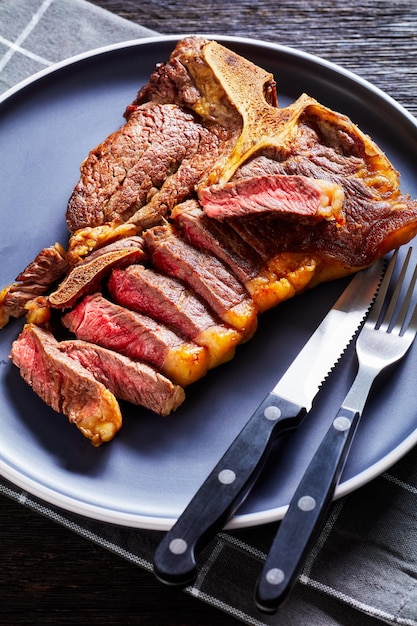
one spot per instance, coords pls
(306, 513)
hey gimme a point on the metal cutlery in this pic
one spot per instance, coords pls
(283, 408)
(384, 339)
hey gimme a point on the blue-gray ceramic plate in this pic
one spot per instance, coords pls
(146, 476)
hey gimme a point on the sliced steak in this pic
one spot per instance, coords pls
(204, 273)
(269, 277)
(293, 196)
(157, 157)
(35, 280)
(207, 125)
(265, 233)
(219, 238)
(128, 380)
(168, 300)
(137, 336)
(87, 275)
(65, 385)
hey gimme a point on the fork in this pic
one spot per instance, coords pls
(384, 339)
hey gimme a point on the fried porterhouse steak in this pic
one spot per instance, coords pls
(210, 205)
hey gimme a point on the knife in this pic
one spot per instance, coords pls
(283, 408)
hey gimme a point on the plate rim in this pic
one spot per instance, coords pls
(101, 513)
(142, 41)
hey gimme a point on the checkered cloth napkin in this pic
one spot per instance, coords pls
(363, 568)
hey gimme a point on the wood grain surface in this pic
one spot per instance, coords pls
(373, 38)
(53, 575)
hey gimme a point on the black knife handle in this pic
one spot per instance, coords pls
(223, 490)
(306, 513)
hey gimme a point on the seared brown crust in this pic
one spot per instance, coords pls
(36, 279)
(157, 157)
(87, 275)
(303, 139)
(377, 215)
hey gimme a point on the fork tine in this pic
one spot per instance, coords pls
(382, 292)
(394, 298)
(411, 329)
(399, 323)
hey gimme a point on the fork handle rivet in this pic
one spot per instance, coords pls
(341, 424)
(275, 576)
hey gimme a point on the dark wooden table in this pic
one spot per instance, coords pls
(53, 575)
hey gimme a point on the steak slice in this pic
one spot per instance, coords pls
(269, 277)
(128, 380)
(296, 196)
(167, 300)
(88, 274)
(65, 385)
(205, 274)
(47, 267)
(219, 238)
(137, 336)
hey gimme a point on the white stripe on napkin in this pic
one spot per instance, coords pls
(15, 46)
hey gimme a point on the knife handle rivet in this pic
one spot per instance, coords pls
(226, 476)
(342, 423)
(272, 413)
(275, 576)
(178, 546)
(306, 503)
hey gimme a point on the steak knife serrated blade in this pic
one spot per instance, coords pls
(314, 362)
(283, 408)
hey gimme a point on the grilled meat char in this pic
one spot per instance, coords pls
(65, 385)
(377, 214)
(36, 279)
(154, 161)
(87, 275)
(180, 125)
(207, 126)
(303, 140)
